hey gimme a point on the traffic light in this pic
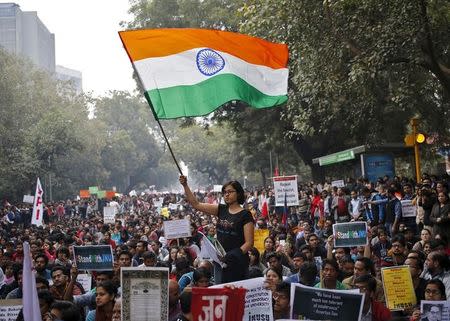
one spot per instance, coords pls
(410, 140)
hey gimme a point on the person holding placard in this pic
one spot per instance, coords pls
(235, 228)
(372, 309)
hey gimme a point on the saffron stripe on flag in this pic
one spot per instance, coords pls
(141, 44)
(205, 97)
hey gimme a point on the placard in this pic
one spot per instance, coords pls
(28, 199)
(217, 304)
(434, 310)
(285, 187)
(145, 293)
(109, 214)
(258, 300)
(85, 280)
(258, 239)
(408, 209)
(398, 287)
(93, 257)
(217, 188)
(338, 183)
(322, 304)
(9, 309)
(350, 234)
(177, 229)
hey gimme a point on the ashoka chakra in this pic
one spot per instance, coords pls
(209, 62)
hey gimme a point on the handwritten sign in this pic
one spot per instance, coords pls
(177, 229)
(408, 209)
(285, 187)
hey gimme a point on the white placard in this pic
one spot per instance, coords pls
(217, 188)
(285, 187)
(28, 199)
(177, 229)
(109, 214)
(85, 280)
(9, 309)
(338, 183)
(258, 300)
(408, 209)
(173, 207)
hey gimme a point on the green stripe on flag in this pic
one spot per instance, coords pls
(203, 98)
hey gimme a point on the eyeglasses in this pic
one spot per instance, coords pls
(228, 192)
(432, 292)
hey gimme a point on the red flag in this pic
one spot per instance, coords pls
(276, 172)
(285, 211)
(265, 209)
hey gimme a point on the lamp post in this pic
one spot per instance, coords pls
(414, 123)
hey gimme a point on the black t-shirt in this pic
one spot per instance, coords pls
(230, 227)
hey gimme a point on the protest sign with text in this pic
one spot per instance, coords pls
(285, 187)
(434, 310)
(258, 300)
(321, 304)
(259, 236)
(398, 287)
(408, 209)
(109, 214)
(9, 309)
(177, 229)
(93, 257)
(350, 234)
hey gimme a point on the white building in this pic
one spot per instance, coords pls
(70, 75)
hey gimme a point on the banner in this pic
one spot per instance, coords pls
(258, 300)
(285, 187)
(101, 194)
(109, 214)
(145, 293)
(110, 194)
(84, 193)
(28, 199)
(212, 304)
(321, 304)
(38, 207)
(350, 234)
(93, 257)
(177, 229)
(434, 310)
(258, 239)
(93, 190)
(398, 287)
(408, 209)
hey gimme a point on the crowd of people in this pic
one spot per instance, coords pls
(299, 248)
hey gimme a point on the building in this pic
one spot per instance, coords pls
(70, 75)
(23, 33)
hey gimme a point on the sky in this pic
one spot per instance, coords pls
(86, 39)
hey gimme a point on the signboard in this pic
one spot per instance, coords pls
(378, 165)
(336, 157)
(109, 214)
(93, 189)
(258, 239)
(408, 209)
(217, 304)
(177, 229)
(28, 199)
(258, 300)
(142, 286)
(350, 234)
(85, 280)
(321, 304)
(285, 187)
(9, 309)
(217, 188)
(338, 183)
(398, 287)
(93, 257)
(84, 193)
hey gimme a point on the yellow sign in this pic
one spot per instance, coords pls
(259, 236)
(165, 212)
(398, 287)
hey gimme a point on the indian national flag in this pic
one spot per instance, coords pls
(191, 72)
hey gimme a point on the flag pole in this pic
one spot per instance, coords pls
(141, 84)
